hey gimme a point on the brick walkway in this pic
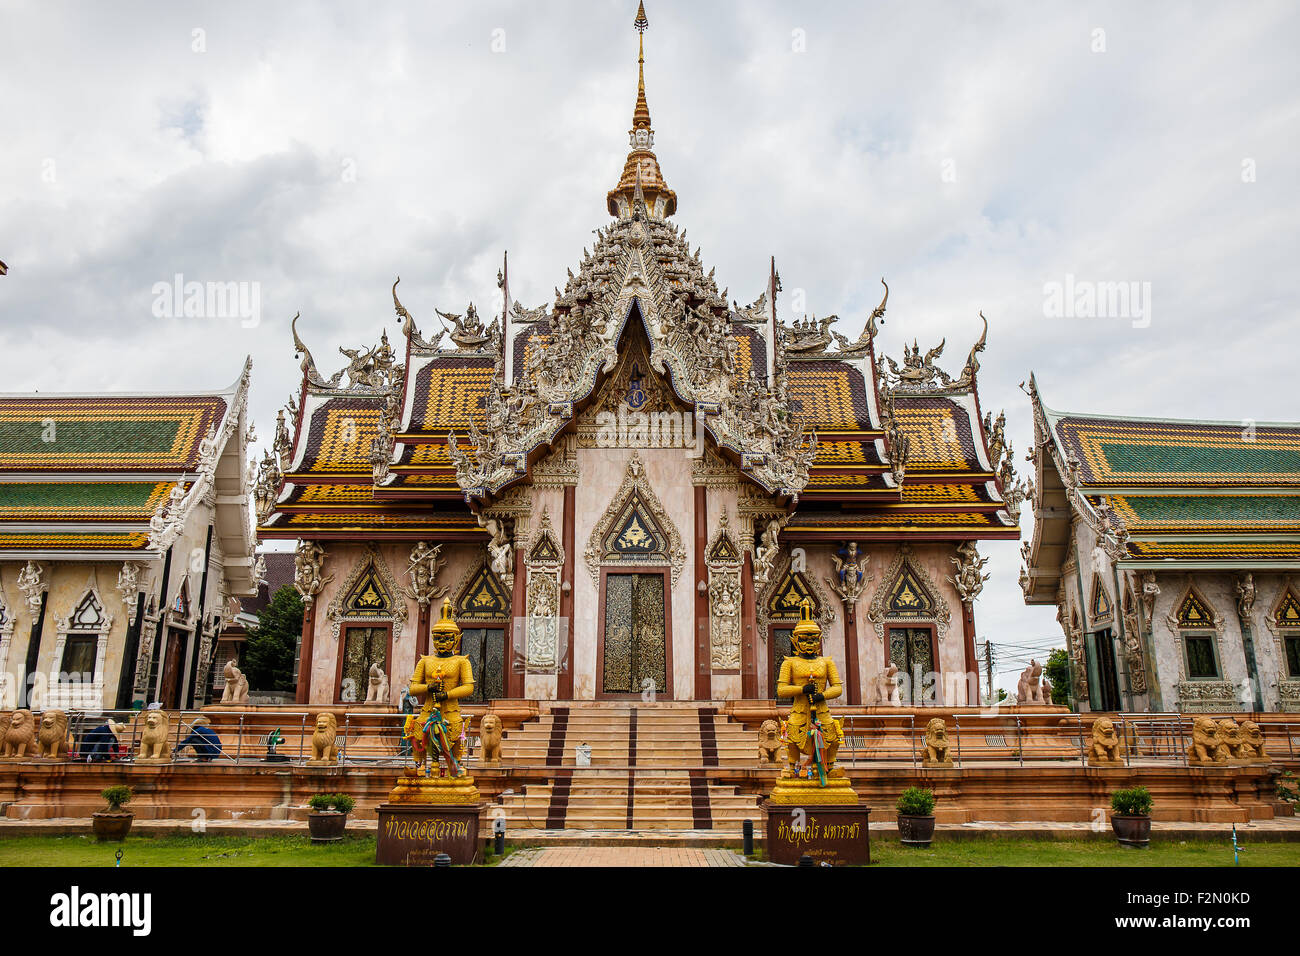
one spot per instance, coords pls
(622, 856)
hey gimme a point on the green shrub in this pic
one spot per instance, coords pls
(1288, 790)
(325, 802)
(343, 803)
(916, 802)
(1134, 802)
(117, 797)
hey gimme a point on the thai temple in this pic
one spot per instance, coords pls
(628, 492)
(1170, 550)
(126, 540)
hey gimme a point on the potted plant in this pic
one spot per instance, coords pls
(114, 823)
(916, 816)
(328, 816)
(1131, 816)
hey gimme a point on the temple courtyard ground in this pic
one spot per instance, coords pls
(67, 843)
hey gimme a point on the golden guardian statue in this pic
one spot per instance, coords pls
(812, 736)
(437, 733)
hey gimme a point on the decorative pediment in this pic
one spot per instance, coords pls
(635, 529)
(788, 595)
(545, 549)
(481, 597)
(1194, 613)
(368, 593)
(1287, 612)
(1101, 606)
(723, 549)
(908, 594)
(368, 596)
(180, 606)
(89, 615)
(786, 589)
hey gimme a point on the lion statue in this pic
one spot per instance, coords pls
(937, 751)
(769, 741)
(1205, 748)
(1105, 749)
(155, 745)
(1252, 742)
(53, 737)
(20, 737)
(324, 749)
(489, 735)
(236, 691)
(1230, 739)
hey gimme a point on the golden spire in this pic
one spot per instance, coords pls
(641, 179)
(641, 113)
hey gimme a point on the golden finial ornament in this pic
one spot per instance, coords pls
(641, 171)
(641, 112)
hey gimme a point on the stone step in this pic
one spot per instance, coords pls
(616, 822)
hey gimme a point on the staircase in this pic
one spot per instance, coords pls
(649, 769)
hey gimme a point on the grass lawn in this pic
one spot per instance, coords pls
(1000, 852)
(360, 851)
(186, 851)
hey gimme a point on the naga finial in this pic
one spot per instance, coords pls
(308, 363)
(869, 333)
(972, 362)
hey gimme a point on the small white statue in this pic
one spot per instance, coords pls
(236, 691)
(378, 690)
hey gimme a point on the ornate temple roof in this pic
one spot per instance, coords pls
(107, 476)
(864, 445)
(1165, 494)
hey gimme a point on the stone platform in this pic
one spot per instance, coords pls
(664, 767)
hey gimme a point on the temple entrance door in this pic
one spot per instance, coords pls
(781, 649)
(634, 647)
(911, 650)
(486, 649)
(168, 695)
(1103, 684)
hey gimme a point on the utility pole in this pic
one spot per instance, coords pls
(988, 668)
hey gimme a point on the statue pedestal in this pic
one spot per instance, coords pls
(425, 816)
(829, 833)
(801, 791)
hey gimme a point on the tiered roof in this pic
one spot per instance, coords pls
(1170, 494)
(860, 447)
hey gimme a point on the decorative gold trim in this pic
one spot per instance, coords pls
(635, 482)
(397, 598)
(941, 617)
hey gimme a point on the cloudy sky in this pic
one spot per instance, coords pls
(971, 153)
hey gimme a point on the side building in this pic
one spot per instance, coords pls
(125, 530)
(1171, 549)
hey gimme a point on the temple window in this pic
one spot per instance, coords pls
(1202, 658)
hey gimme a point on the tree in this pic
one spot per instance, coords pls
(1057, 670)
(273, 643)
